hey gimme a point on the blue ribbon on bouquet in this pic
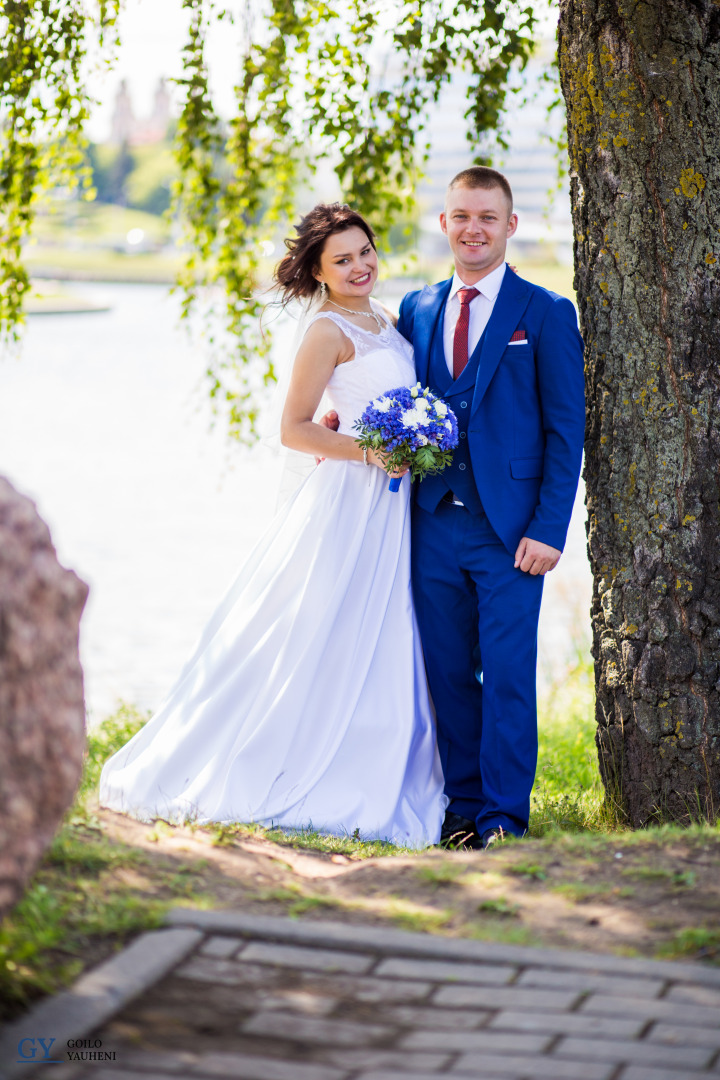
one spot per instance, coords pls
(395, 483)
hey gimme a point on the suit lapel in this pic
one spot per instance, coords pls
(511, 302)
(439, 377)
(428, 311)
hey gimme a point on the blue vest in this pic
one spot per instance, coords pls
(458, 394)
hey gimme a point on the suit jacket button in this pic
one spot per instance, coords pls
(463, 435)
(463, 404)
(461, 466)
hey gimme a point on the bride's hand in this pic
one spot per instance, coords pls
(374, 458)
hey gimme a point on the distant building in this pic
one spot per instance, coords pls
(128, 128)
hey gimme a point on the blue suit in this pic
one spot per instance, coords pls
(521, 414)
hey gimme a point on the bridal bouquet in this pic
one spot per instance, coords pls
(409, 426)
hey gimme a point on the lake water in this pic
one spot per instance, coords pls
(104, 424)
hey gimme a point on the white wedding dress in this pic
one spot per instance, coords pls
(305, 702)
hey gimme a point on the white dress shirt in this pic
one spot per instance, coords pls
(480, 310)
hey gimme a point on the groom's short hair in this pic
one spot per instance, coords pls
(480, 176)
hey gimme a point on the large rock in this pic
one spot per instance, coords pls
(42, 714)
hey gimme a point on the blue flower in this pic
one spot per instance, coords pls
(410, 425)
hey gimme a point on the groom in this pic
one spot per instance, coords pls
(507, 357)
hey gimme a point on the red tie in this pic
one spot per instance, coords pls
(460, 341)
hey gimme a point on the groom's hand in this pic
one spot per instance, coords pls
(330, 420)
(535, 558)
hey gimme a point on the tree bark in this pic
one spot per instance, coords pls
(641, 84)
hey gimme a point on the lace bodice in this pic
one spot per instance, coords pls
(363, 340)
(382, 362)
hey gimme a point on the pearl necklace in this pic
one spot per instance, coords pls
(352, 311)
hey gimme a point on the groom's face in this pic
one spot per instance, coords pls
(477, 223)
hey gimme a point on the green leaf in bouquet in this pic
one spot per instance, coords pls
(425, 458)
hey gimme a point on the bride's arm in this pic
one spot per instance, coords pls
(322, 348)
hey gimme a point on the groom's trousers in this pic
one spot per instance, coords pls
(478, 618)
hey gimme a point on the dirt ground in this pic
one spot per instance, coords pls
(654, 893)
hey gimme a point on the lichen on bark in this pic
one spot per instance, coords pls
(643, 98)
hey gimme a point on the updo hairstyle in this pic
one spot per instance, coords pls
(295, 272)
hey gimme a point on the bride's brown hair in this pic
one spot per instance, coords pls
(295, 273)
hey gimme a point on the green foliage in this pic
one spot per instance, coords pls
(568, 794)
(694, 942)
(104, 740)
(528, 870)
(149, 184)
(79, 901)
(379, 432)
(98, 224)
(350, 83)
(306, 839)
(43, 107)
(312, 85)
(499, 906)
(110, 167)
(45, 940)
(140, 177)
(442, 873)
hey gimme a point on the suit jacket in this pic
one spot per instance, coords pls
(527, 415)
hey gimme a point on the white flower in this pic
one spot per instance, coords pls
(414, 391)
(441, 409)
(422, 404)
(382, 404)
(415, 418)
(448, 425)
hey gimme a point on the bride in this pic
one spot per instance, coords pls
(305, 702)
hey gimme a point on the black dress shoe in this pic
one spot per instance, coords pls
(492, 838)
(459, 832)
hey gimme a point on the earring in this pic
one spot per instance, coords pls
(323, 291)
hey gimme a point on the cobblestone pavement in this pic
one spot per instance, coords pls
(277, 999)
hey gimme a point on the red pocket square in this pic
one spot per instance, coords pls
(519, 335)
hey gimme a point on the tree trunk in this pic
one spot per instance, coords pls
(641, 84)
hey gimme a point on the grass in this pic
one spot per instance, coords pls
(44, 942)
(444, 873)
(86, 892)
(308, 840)
(68, 911)
(85, 899)
(98, 264)
(681, 879)
(698, 942)
(95, 222)
(103, 741)
(297, 901)
(552, 275)
(92, 892)
(568, 795)
(499, 906)
(416, 920)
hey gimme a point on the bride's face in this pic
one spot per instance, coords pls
(348, 265)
